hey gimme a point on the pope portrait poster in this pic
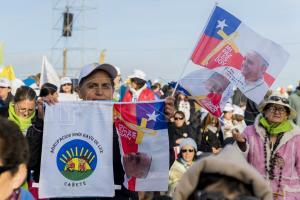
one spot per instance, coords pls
(248, 60)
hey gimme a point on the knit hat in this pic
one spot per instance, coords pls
(188, 141)
(229, 162)
(279, 99)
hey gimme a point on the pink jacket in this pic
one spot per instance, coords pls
(288, 149)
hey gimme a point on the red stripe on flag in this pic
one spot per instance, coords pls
(269, 79)
(203, 48)
(131, 184)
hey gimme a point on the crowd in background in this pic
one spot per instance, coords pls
(194, 134)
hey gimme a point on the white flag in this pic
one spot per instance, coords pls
(77, 158)
(48, 73)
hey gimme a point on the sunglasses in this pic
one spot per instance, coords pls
(178, 118)
(70, 84)
(6, 168)
(187, 150)
(276, 98)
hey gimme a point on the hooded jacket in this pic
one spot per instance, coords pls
(230, 162)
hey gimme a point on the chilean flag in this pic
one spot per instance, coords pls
(219, 34)
(208, 88)
(144, 144)
(224, 44)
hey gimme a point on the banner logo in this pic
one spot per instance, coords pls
(76, 160)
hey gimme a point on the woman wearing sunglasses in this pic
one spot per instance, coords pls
(187, 156)
(14, 155)
(271, 145)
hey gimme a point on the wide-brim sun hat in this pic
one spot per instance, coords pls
(279, 99)
(88, 69)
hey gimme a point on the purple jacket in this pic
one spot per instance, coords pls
(288, 149)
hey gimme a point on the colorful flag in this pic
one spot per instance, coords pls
(144, 142)
(248, 60)
(1, 54)
(209, 88)
(77, 150)
(102, 56)
(8, 72)
(48, 73)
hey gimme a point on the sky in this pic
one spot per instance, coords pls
(156, 36)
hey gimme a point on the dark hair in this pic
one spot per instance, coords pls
(180, 113)
(139, 82)
(14, 148)
(238, 117)
(23, 93)
(48, 88)
(61, 90)
(208, 119)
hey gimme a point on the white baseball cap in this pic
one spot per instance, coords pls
(88, 69)
(238, 110)
(4, 82)
(228, 107)
(138, 74)
(65, 80)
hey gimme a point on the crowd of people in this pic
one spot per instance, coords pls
(210, 157)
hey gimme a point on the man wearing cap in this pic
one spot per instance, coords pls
(138, 90)
(5, 92)
(96, 83)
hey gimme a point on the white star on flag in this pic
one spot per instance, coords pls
(221, 24)
(152, 116)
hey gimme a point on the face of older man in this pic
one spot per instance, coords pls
(97, 86)
(253, 67)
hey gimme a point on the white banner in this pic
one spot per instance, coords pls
(77, 150)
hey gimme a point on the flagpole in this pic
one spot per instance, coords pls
(187, 62)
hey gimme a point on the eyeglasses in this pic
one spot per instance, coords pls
(178, 118)
(200, 195)
(6, 168)
(276, 98)
(187, 150)
(281, 110)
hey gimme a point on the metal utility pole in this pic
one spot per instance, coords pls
(71, 23)
(65, 62)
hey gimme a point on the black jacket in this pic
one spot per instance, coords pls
(35, 139)
(210, 139)
(5, 103)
